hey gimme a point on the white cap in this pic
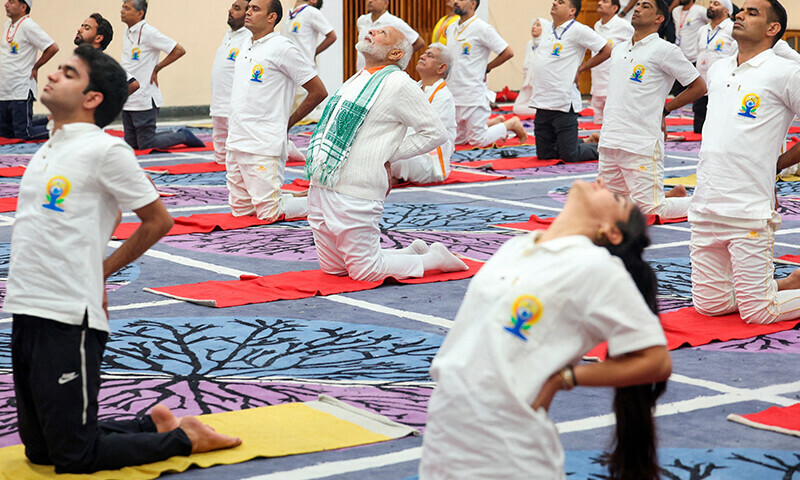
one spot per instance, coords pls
(727, 4)
(29, 2)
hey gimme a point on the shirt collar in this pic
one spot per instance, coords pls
(561, 243)
(137, 27)
(759, 59)
(264, 38)
(72, 130)
(646, 39)
(432, 87)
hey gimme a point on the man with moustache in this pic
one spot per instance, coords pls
(753, 97)
(714, 43)
(378, 16)
(222, 77)
(97, 31)
(632, 139)
(268, 69)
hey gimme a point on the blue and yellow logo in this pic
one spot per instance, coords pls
(233, 54)
(296, 27)
(258, 72)
(557, 47)
(638, 73)
(14, 48)
(719, 45)
(465, 48)
(750, 104)
(525, 312)
(135, 54)
(57, 190)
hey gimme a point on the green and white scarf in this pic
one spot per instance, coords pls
(332, 139)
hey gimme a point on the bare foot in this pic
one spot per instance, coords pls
(204, 438)
(678, 191)
(496, 120)
(792, 282)
(515, 125)
(593, 138)
(163, 418)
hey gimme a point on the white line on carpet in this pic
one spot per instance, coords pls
(419, 317)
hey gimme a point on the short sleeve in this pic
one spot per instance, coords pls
(410, 34)
(158, 40)
(319, 23)
(792, 90)
(294, 65)
(494, 41)
(36, 36)
(675, 63)
(618, 313)
(121, 175)
(591, 40)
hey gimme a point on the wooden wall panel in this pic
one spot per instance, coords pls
(422, 15)
(588, 16)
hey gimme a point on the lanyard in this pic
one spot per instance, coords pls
(295, 13)
(683, 17)
(139, 40)
(459, 32)
(441, 86)
(708, 39)
(10, 39)
(563, 32)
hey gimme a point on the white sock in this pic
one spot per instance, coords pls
(417, 247)
(295, 207)
(439, 258)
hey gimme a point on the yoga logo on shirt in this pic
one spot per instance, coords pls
(557, 47)
(638, 73)
(296, 27)
(57, 189)
(525, 312)
(233, 54)
(719, 45)
(750, 104)
(14, 48)
(258, 72)
(465, 48)
(135, 54)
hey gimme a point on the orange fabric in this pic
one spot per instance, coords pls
(374, 69)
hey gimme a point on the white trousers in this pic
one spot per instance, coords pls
(598, 105)
(732, 270)
(254, 186)
(348, 238)
(219, 136)
(471, 126)
(641, 177)
(428, 168)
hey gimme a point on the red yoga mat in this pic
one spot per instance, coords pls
(511, 142)
(687, 327)
(12, 171)
(201, 223)
(8, 204)
(794, 129)
(536, 223)
(289, 286)
(183, 168)
(684, 137)
(508, 115)
(587, 112)
(784, 420)
(207, 148)
(509, 163)
(589, 126)
(14, 141)
(455, 176)
(679, 121)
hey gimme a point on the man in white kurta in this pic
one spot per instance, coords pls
(615, 30)
(433, 67)
(631, 148)
(557, 65)
(222, 76)
(378, 16)
(350, 168)
(472, 41)
(268, 69)
(19, 69)
(714, 43)
(752, 99)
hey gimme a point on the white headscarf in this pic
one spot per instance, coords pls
(545, 26)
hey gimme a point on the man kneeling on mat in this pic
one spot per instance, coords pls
(350, 168)
(67, 209)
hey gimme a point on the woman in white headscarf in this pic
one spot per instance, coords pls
(538, 26)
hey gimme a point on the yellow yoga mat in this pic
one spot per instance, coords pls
(275, 431)
(690, 181)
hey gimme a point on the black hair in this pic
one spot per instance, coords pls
(634, 455)
(106, 76)
(777, 13)
(104, 28)
(576, 4)
(477, 4)
(275, 6)
(667, 28)
(27, 6)
(318, 4)
(617, 4)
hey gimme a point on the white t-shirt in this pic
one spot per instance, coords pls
(472, 43)
(365, 24)
(750, 109)
(68, 202)
(303, 26)
(615, 31)
(18, 55)
(265, 79)
(529, 312)
(222, 71)
(714, 44)
(688, 24)
(641, 77)
(142, 45)
(782, 49)
(560, 53)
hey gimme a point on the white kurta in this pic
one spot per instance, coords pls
(142, 45)
(24, 39)
(523, 319)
